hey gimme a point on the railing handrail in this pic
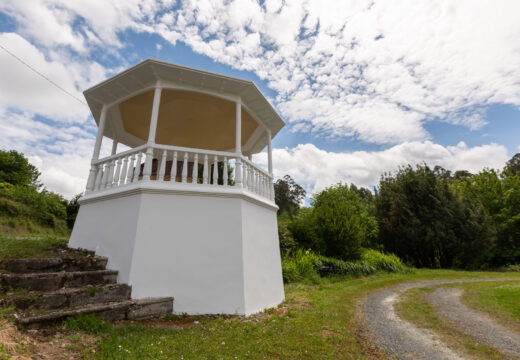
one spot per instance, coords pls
(195, 150)
(118, 155)
(250, 163)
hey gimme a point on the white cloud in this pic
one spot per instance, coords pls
(376, 70)
(21, 88)
(316, 169)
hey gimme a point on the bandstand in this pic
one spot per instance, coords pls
(183, 211)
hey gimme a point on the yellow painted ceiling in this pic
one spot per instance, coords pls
(186, 118)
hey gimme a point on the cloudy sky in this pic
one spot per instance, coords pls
(364, 86)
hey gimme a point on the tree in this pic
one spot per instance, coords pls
(72, 210)
(343, 222)
(288, 195)
(499, 194)
(16, 169)
(423, 220)
(513, 165)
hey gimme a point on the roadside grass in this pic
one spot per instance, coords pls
(501, 301)
(317, 321)
(413, 307)
(11, 247)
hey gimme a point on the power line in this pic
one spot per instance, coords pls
(43, 76)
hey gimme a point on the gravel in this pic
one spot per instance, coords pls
(446, 302)
(402, 339)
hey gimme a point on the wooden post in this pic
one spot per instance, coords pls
(92, 177)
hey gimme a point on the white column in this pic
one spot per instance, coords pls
(114, 146)
(147, 171)
(91, 182)
(238, 144)
(269, 154)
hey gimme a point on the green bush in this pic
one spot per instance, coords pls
(382, 262)
(306, 266)
(304, 230)
(301, 266)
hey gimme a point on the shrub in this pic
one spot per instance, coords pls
(306, 266)
(301, 266)
(383, 262)
(305, 231)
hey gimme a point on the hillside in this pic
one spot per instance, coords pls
(26, 207)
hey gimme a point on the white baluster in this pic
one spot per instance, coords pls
(225, 172)
(130, 174)
(174, 167)
(99, 176)
(185, 168)
(162, 168)
(215, 170)
(110, 178)
(238, 172)
(124, 170)
(257, 182)
(205, 170)
(137, 170)
(115, 183)
(195, 172)
(265, 186)
(104, 179)
(245, 169)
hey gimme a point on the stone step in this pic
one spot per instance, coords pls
(56, 280)
(128, 309)
(68, 297)
(55, 264)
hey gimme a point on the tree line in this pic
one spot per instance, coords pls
(429, 217)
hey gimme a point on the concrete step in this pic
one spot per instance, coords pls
(68, 297)
(56, 280)
(55, 264)
(128, 309)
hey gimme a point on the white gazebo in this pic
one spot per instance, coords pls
(184, 212)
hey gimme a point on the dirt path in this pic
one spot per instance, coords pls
(446, 302)
(402, 339)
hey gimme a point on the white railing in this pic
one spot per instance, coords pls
(178, 165)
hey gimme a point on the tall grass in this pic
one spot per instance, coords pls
(308, 267)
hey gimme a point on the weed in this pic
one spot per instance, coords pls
(90, 324)
(93, 291)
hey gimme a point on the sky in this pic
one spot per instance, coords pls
(363, 86)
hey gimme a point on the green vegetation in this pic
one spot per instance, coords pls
(307, 266)
(26, 208)
(415, 309)
(500, 300)
(315, 322)
(426, 223)
(11, 248)
(338, 224)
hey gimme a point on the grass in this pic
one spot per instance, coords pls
(414, 308)
(499, 300)
(317, 321)
(27, 247)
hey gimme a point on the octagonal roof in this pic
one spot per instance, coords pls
(143, 77)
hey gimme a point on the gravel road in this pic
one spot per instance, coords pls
(402, 339)
(446, 302)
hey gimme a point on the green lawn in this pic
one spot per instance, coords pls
(316, 322)
(500, 300)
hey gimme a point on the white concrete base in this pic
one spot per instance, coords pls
(213, 254)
